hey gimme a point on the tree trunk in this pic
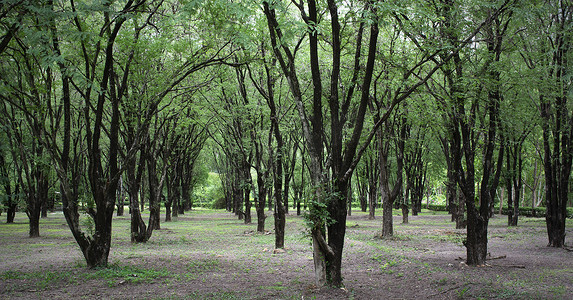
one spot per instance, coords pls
(372, 202)
(10, 213)
(248, 203)
(155, 187)
(34, 219)
(185, 196)
(387, 199)
(260, 203)
(36, 198)
(270, 196)
(261, 188)
(12, 204)
(120, 200)
(120, 205)
(349, 198)
(389, 196)
(476, 240)
(405, 211)
(461, 220)
(372, 170)
(280, 212)
(167, 211)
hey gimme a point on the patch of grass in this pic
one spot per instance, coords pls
(41, 245)
(210, 296)
(387, 264)
(500, 293)
(278, 286)
(203, 265)
(39, 279)
(132, 274)
(455, 238)
(558, 291)
(462, 292)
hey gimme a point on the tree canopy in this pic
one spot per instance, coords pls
(315, 102)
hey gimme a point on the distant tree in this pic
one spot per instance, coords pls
(10, 197)
(28, 82)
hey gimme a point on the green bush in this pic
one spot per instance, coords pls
(537, 212)
(438, 207)
(219, 203)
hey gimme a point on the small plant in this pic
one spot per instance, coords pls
(88, 224)
(462, 292)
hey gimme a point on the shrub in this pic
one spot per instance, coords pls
(219, 203)
(537, 212)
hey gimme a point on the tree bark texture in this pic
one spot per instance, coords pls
(557, 126)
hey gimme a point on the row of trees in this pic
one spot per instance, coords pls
(320, 100)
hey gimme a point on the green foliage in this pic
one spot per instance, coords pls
(318, 216)
(210, 193)
(88, 224)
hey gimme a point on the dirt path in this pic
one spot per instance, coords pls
(211, 255)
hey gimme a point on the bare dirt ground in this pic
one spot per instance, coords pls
(208, 254)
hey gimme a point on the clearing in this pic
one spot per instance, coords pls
(209, 254)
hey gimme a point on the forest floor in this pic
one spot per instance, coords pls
(208, 254)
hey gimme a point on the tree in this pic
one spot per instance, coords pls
(329, 209)
(464, 130)
(234, 124)
(330, 174)
(27, 83)
(553, 69)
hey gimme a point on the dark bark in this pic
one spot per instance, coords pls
(185, 194)
(362, 186)
(289, 157)
(11, 201)
(120, 202)
(414, 167)
(389, 196)
(280, 209)
(461, 218)
(12, 205)
(134, 174)
(514, 180)
(261, 196)
(349, 198)
(155, 188)
(557, 126)
(373, 170)
(405, 212)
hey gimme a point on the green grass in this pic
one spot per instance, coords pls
(116, 274)
(37, 279)
(227, 295)
(112, 275)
